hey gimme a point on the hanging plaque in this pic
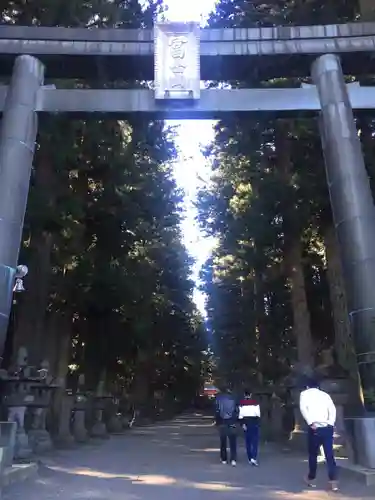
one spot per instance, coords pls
(177, 60)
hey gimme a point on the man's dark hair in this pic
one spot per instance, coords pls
(223, 388)
(311, 383)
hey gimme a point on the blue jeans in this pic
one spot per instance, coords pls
(252, 440)
(322, 436)
(228, 433)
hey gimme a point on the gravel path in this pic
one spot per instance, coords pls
(175, 460)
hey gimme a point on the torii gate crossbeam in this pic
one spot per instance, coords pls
(213, 103)
(226, 54)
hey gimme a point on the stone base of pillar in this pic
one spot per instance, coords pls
(342, 450)
(64, 441)
(341, 441)
(64, 438)
(22, 448)
(79, 430)
(81, 437)
(125, 423)
(114, 425)
(298, 437)
(99, 430)
(364, 441)
(40, 440)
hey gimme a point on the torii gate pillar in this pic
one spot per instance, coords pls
(354, 218)
(17, 145)
(352, 207)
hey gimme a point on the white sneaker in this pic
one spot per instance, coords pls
(334, 486)
(254, 463)
(310, 483)
(224, 462)
(233, 463)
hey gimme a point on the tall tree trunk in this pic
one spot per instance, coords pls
(59, 348)
(260, 324)
(58, 345)
(293, 252)
(301, 313)
(259, 306)
(32, 312)
(30, 327)
(344, 346)
(140, 390)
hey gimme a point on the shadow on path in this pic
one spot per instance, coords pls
(179, 459)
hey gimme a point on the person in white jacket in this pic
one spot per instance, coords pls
(319, 412)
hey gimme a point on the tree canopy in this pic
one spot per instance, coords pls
(274, 284)
(109, 292)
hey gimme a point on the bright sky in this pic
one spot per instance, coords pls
(191, 169)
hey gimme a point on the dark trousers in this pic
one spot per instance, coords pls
(252, 440)
(322, 436)
(227, 433)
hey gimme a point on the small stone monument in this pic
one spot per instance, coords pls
(64, 437)
(114, 424)
(79, 425)
(99, 429)
(17, 399)
(39, 437)
(22, 361)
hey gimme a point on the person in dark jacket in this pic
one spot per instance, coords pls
(249, 417)
(226, 416)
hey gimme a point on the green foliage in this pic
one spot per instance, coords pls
(232, 13)
(115, 270)
(268, 191)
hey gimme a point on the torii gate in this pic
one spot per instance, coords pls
(183, 55)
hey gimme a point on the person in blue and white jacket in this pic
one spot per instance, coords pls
(249, 417)
(319, 412)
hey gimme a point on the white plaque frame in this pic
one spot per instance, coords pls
(177, 60)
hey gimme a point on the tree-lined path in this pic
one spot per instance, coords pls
(174, 460)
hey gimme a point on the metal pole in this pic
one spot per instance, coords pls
(17, 145)
(352, 207)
